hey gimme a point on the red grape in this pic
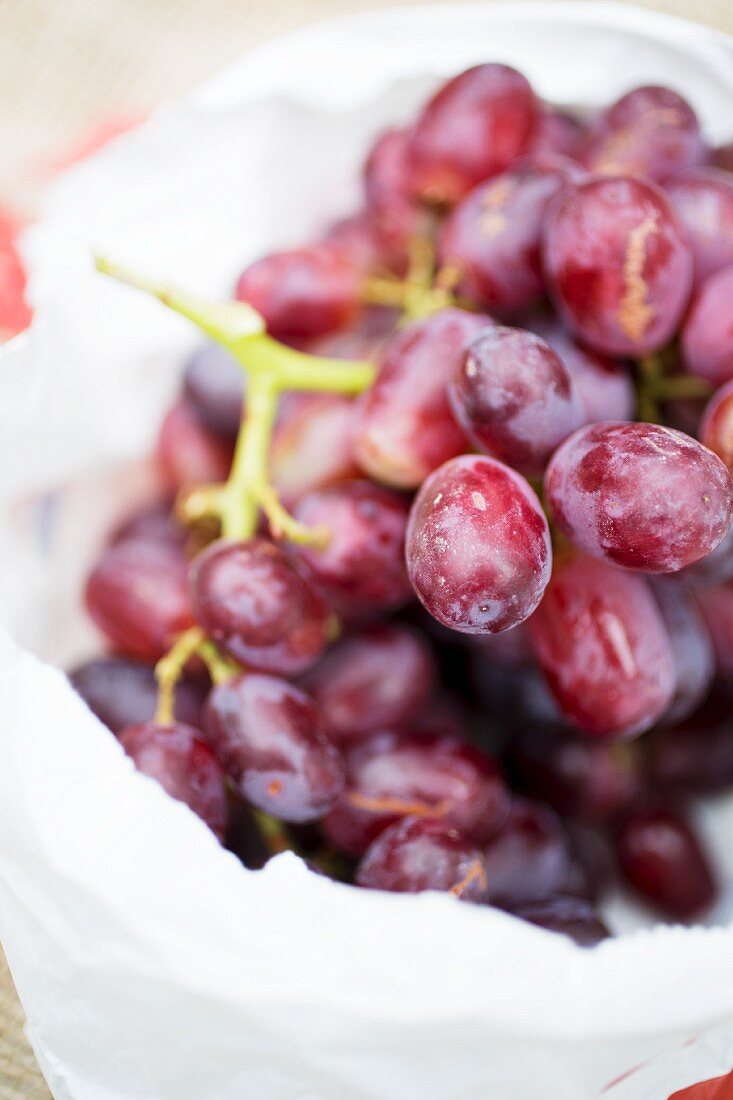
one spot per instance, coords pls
(617, 265)
(137, 594)
(514, 398)
(663, 861)
(184, 765)
(213, 385)
(393, 775)
(423, 854)
(472, 128)
(152, 523)
(357, 241)
(312, 444)
(302, 292)
(493, 235)
(692, 647)
(716, 428)
(696, 756)
(529, 858)
(373, 680)
(716, 568)
(478, 546)
(406, 428)
(643, 496)
(362, 569)
(122, 692)
(716, 604)
(188, 453)
(251, 598)
(703, 200)
(650, 131)
(574, 917)
(707, 337)
(389, 193)
(269, 738)
(559, 132)
(602, 644)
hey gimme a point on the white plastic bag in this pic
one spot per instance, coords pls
(151, 965)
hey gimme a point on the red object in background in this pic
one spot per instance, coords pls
(15, 313)
(717, 1088)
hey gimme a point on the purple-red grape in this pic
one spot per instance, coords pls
(642, 496)
(557, 131)
(617, 264)
(421, 853)
(472, 128)
(179, 758)
(602, 644)
(406, 428)
(716, 568)
(302, 292)
(122, 692)
(270, 739)
(213, 385)
(252, 599)
(703, 200)
(188, 453)
(574, 917)
(707, 336)
(529, 858)
(716, 427)
(137, 594)
(312, 444)
(356, 240)
(151, 523)
(389, 192)
(394, 775)
(692, 647)
(377, 679)
(663, 861)
(478, 546)
(514, 398)
(696, 756)
(651, 131)
(716, 603)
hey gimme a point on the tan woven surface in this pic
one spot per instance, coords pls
(68, 65)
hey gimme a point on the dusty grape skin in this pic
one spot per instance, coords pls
(472, 128)
(642, 496)
(188, 453)
(703, 201)
(617, 265)
(587, 781)
(376, 679)
(312, 444)
(213, 385)
(514, 398)
(362, 568)
(651, 132)
(302, 292)
(452, 781)
(662, 860)
(420, 853)
(253, 600)
(605, 385)
(529, 859)
(716, 604)
(478, 546)
(406, 429)
(137, 594)
(694, 757)
(572, 916)
(692, 647)
(179, 758)
(716, 568)
(557, 131)
(493, 235)
(123, 692)
(602, 644)
(716, 427)
(707, 336)
(270, 740)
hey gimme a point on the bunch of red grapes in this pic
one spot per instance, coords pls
(425, 659)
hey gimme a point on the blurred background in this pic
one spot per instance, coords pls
(73, 74)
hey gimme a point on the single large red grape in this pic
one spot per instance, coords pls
(514, 398)
(394, 775)
(692, 647)
(213, 384)
(376, 679)
(269, 737)
(122, 692)
(478, 546)
(707, 337)
(302, 292)
(602, 644)
(617, 264)
(663, 861)
(472, 128)
(184, 765)
(703, 200)
(406, 428)
(189, 453)
(529, 859)
(651, 132)
(642, 496)
(252, 599)
(421, 853)
(362, 568)
(137, 594)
